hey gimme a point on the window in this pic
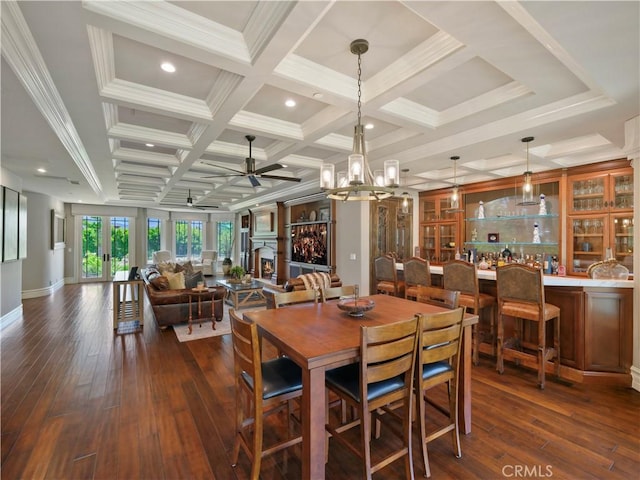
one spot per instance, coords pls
(225, 239)
(153, 237)
(189, 239)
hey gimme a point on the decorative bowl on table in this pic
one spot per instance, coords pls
(355, 307)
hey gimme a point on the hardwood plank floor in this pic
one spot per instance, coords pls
(78, 402)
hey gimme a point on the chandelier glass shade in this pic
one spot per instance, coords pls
(455, 193)
(358, 182)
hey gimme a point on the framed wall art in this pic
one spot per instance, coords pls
(58, 230)
(264, 222)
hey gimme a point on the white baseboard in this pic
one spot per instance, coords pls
(12, 316)
(42, 292)
(635, 378)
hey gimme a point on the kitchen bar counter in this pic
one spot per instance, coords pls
(596, 324)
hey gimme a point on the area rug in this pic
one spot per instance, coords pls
(204, 330)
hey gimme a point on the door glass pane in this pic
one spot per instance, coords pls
(447, 242)
(91, 247)
(153, 237)
(182, 239)
(119, 244)
(588, 242)
(588, 195)
(196, 239)
(623, 191)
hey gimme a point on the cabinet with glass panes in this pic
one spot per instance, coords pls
(496, 220)
(600, 219)
(439, 227)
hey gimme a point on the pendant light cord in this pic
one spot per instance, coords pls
(359, 88)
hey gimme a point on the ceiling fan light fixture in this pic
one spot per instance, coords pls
(358, 183)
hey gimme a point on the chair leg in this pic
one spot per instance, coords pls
(541, 353)
(453, 417)
(476, 344)
(239, 419)
(493, 329)
(421, 407)
(499, 345)
(365, 433)
(556, 346)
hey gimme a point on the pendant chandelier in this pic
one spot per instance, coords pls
(358, 183)
(527, 186)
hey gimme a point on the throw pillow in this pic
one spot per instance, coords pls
(187, 267)
(191, 280)
(176, 280)
(165, 267)
(160, 283)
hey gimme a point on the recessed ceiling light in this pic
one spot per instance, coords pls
(369, 126)
(150, 145)
(290, 103)
(42, 170)
(168, 67)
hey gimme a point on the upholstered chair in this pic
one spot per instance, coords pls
(416, 272)
(387, 276)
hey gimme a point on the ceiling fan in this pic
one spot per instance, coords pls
(189, 204)
(250, 166)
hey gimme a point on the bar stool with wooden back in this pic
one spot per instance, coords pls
(416, 272)
(463, 276)
(438, 362)
(387, 276)
(438, 296)
(383, 376)
(266, 387)
(521, 295)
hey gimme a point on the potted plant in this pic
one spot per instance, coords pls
(237, 273)
(226, 265)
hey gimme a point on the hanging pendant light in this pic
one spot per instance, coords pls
(455, 201)
(359, 183)
(528, 197)
(405, 195)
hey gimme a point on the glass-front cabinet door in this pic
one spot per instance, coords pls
(428, 250)
(447, 241)
(588, 242)
(605, 192)
(622, 239)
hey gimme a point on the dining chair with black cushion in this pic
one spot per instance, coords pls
(438, 362)
(297, 296)
(521, 296)
(387, 276)
(438, 296)
(416, 272)
(463, 277)
(334, 293)
(267, 387)
(384, 376)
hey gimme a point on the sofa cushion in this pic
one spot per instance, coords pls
(160, 282)
(164, 267)
(176, 280)
(191, 280)
(186, 267)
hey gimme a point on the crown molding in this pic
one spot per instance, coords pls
(136, 133)
(269, 125)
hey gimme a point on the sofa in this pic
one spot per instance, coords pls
(171, 305)
(301, 282)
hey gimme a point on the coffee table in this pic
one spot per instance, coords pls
(241, 295)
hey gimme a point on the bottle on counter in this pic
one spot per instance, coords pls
(536, 262)
(506, 254)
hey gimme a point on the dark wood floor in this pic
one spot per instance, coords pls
(79, 402)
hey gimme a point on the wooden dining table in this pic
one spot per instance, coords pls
(320, 337)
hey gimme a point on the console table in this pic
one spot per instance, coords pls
(128, 303)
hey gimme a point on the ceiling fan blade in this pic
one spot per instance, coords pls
(223, 175)
(254, 181)
(268, 168)
(225, 168)
(275, 177)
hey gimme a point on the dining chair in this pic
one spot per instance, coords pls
(463, 276)
(383, 376)
(266, 387)
(386, 276)
(521, 296)
(416, 272)
(438, 296)
(337, 292)
(438, 362)
(297, 296)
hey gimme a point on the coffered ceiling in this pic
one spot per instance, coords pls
(84, 97)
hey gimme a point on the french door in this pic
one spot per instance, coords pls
(106, 246)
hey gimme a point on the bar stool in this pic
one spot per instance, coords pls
(387, 276)
(521, 295)
(416, 272)
(463, 276)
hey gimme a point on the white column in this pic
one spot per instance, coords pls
(632, 150)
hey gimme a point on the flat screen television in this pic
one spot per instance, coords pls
(309, 244)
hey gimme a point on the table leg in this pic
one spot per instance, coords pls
(464, 387)
(313, 421)
(190, 316)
